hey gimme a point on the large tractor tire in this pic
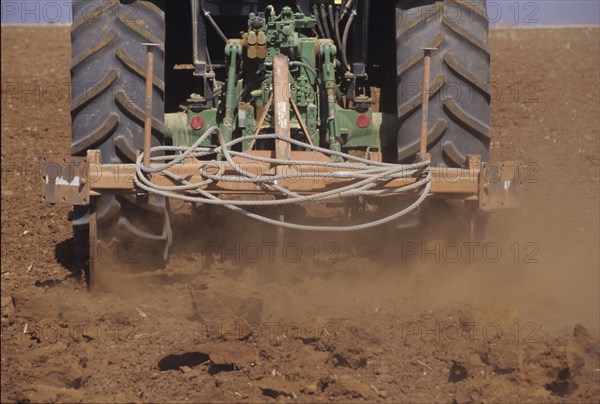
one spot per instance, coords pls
(108, 105)
(459, 105)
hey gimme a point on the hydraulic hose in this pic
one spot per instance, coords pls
(324, 20)
(367, 175)
(316, 17)
(339, 40)
(336, 31)
(345, 39)
(347, 8)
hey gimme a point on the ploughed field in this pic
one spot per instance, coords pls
(364, 317)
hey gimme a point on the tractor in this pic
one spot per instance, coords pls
(250, 103)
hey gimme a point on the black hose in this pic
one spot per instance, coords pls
(215, 26)
(316, 17)
(325, 24)
(346, 32)
(332, 22)
(338, 39)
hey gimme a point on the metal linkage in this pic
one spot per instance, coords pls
(368, 174)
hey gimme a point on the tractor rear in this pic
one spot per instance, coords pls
(254, 106)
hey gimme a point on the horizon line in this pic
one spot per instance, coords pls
(492, 26)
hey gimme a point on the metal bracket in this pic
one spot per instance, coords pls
(500, 186)
(65, 180)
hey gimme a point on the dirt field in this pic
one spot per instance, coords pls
(519, 326)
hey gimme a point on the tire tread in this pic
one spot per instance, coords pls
(460, 94)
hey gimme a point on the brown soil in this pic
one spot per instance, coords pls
(340, 324)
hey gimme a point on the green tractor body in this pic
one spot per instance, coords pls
(317, 90)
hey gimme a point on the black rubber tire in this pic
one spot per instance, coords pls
(459, 106)
(108, 103)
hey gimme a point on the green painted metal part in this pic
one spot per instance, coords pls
(179, 130)
(314, 79)
(382, 127)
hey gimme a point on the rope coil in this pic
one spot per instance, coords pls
(368, 173)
